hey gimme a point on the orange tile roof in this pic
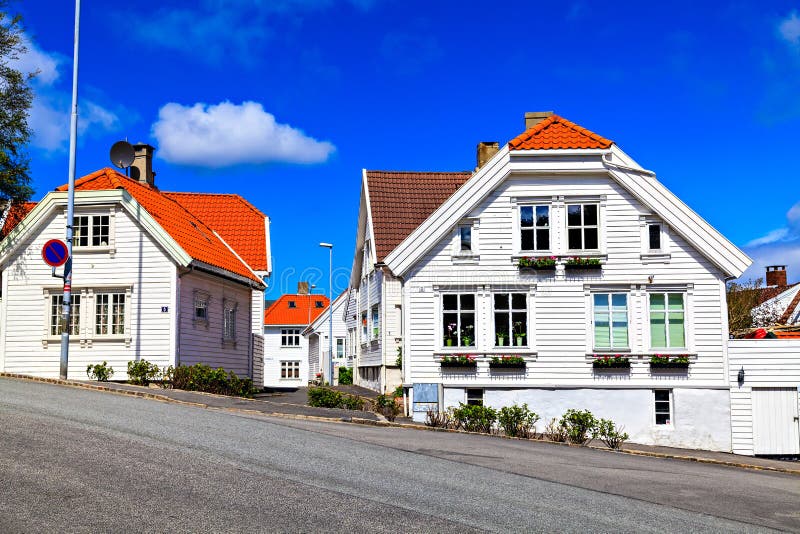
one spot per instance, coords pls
(401, 201)
(239, 223)
(303, 313)
(557, 133)
(190, 232)
(15, 216)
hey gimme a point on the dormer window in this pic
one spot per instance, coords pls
(91, 231)
(319, 304)
(292, 304)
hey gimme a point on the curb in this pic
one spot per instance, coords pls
(384, 423)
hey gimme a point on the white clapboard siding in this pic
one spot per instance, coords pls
(370, 294)
(137, 264)
(766, 363)
(560, 314)
(201, 342)
(274, 354)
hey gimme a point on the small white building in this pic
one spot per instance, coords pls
(286, 349)
(317, 334)
(157, 276)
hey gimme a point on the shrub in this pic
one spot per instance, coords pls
(324, 397)
(435, 418)
(386, 406)
(345, 376)
(100, 371)
(518, 421)
(398, 392)
(579, 425)
(399, 360)
(553, 431)
(141, 373)
(201, 377)
(474, 418)
(612, 435)
(351, 402)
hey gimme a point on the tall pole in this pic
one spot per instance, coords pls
(73, 143)
(329, 246)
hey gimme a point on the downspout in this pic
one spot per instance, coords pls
(178, 315)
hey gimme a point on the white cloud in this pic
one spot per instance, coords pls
(771, 237)
(778, 247)
(50, 112)
(227, 134)
(789, 28)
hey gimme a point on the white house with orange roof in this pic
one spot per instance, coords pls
(158, 276)
(286, 349)
(319, 349)
(564, 253)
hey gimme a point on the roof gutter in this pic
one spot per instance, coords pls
(210, 269)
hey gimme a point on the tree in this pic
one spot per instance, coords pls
(742, 298)
(16, 97)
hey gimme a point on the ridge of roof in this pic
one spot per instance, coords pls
(304, 313)
(556, 132)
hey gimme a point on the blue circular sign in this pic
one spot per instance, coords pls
(55, 253)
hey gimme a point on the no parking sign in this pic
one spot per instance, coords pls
(54, 253)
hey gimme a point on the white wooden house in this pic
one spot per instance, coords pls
(317, 334)
(286, 349)
(452, 285)
(156, 276)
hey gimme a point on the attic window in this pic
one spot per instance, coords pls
(319, 304)
(292, 304)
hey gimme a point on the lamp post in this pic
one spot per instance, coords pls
(329, 246)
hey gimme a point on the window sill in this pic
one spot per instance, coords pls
(655, 257)
(465, 259)
(640, 356)
(229, 343)
(483, 355)
(93, 250)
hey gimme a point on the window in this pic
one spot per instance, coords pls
(290, 337)
(474, 397)
(465, 238)
(340, 347)
(582, 227)
(292, 304)
(510, 319)
(667, 320)
(201, 307)
(229, 321)
(364, 328)
(534, 227)
(290, 369)
(610, 321)
(654, 236)
(376, 327)
(56, 313)
(319, 304)
(91, 230)
(663, 406)
(109, 314)
(458, 319)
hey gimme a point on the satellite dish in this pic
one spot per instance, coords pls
(122, 154)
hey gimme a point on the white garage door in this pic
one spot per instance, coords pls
(776, 429)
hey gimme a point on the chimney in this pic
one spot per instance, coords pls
(486, 149)
(776, 275)
(142, 167)
(302, 288)
(532, 118)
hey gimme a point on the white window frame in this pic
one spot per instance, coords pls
(583, 227)
(290, 334)
(660, 255)
(609, 293)
(687, 343)
(201, 301)
(470, 395)
(512, 338)
(56, 301)
(375, 323)
(229, 317)
(90, 234)
(459, 254)
(519, 228)
(340, 342)
(364, 327)
(289, 368)
(441, 311)
(87, 313)
(671, 400)
(105, 303)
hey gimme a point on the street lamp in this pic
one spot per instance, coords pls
(329, 246)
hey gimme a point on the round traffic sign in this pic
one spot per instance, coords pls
(54, 253)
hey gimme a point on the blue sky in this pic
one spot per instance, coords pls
(285, 101)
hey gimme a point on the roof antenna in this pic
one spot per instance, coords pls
(122, 155)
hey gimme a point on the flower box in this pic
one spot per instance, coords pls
(537, 264)
(458, 361)
(583, 264)
(611, 362)
(507, 362)
(670, 365)
(666, 361)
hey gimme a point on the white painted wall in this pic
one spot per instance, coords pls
(274, 353)
(766, 363)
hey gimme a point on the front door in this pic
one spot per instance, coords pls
(776, 429)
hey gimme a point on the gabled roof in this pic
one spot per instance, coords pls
(295, 310)
(238, 222)
(196, 238)
(400, 201)
(15, 216)
(322, 317)
(557, 132)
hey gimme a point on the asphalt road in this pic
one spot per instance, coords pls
(77, 460)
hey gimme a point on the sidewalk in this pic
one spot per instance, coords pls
(290, 404)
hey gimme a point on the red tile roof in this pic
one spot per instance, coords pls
(239, 223)
(190, 232)
(15, 216)
(557, 133)
(303, 313)
(401, 201)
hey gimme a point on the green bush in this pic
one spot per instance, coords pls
(399, 360)
(324, 397)
(579, 425)
(518, 421)
(100, 371)
(398, 391)
(553, 431)
(351, 402)
(200, 377)
(386, 406)
(141, 373)
(612, 435)
(475, 418)
(345, 376)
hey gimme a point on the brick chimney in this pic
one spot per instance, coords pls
(776, 275)
(302, 288)
(486, 149)
(532, 118)
(142, 167)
